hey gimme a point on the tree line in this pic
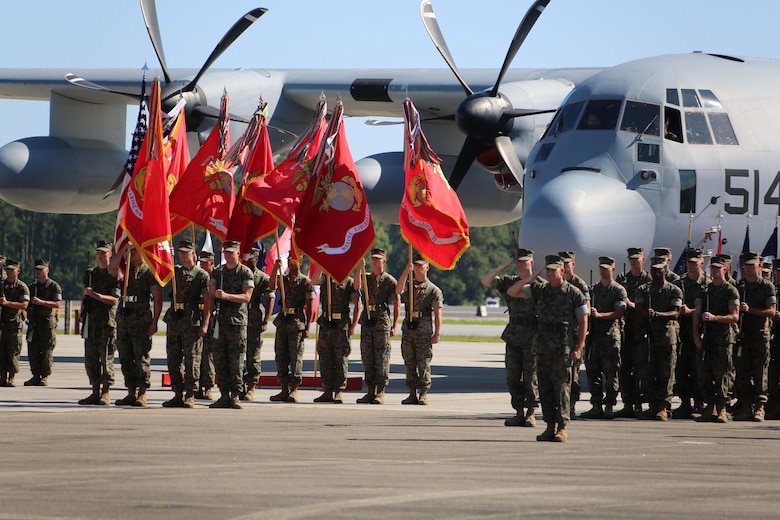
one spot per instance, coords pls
(68, 242)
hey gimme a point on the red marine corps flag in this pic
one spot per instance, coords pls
(204, 194)
(431, 216)
(146, 220)
(333, 225)
(279, 193)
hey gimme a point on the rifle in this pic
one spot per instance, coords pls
(740, 332)
(217, 306)
(85, 304)
(31, 317)
(706, 292)
(648, 332)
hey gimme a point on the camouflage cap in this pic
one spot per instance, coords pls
(12, 264)
(766, 267)
(725, 257)
(378, 253)
(658, 262)
(231, 246)
(663, 252)
(567, 256)
(41, 264)
(524, 254)
(717, 261)
(606, 262)
(102, 245)
(418, 259)
(750, 258)
(186, 245)
(693, 254)
(206, 256)
(635, 252)
(254, 253)
(553, 261)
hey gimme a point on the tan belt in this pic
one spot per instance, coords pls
(290, 310)
(181, 306)
(416, 314)
(335, 316)
(371, 308)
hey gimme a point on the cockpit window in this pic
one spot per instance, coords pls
(696, 129)
(709, 99)
(672, 125)
(690, 98)
(600, 114)
(721, 127)
(641, 118)
(569, 116)
(672, 96)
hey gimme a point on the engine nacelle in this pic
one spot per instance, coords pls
(54, 175)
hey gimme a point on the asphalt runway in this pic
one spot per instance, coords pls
(451, 459)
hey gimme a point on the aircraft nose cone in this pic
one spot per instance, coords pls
(588, 213)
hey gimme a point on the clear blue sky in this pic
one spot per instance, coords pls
(80, 34)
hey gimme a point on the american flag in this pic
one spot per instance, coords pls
(120, 237)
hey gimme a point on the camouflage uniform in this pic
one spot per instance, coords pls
(230, 346)
(714, 361)
(375, 325)
(417, 331)
(333, 342)
(521, 379)
(752, 356)
(602, 351)
(290, 324)
(133, 321)
(656, 372)
(42, 328)
(100, 342)
(11, 323)
(183, 345)
(557, 309)
(633, 349)
(686, 374)
(254, 335)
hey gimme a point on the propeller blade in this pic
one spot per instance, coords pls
(432, 26)
(520, 112)
(523, 29)
(507, 151)
(466, 156)
(149, 10)
(117, 184)
(81, 82)
(241, 25)
(385, 122)
(213, 112)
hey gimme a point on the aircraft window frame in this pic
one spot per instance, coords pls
(722, 129)
(605, 112)
(697, 131)
(687, 191)
(648, 152)
(570, 114)
(709, 99)
(673, 130)
(673, 97)
(637, 121)
(690, 98)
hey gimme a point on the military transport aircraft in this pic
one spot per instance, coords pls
(502, 114)
(643, 151)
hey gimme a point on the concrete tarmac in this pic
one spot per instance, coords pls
(451, 459)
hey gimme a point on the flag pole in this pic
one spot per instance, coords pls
(411, 283)
(280, 274)
(127, 277)
(192, 232)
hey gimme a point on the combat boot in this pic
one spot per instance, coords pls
(43, 382)
(627, 412)
(249, 395)
(379, 398)
(175, 402)
(338, 398)
(105, 396)
(189, 399)
(530, 418)
(722, 417)
(709, 414)
(517, 420)
(293, 395)
(412, 399)
(11, 382)
(423, 399)
(140, 400)
(281, 396)
(93, 398)
(594, 413)
(207, 394)
(368, 398)
(235, 401)
(683, 411)
(223, 401)
(608, 413)
(698, 408)
(758, 413)
(561, 435)
(129, 399)
(326, 397)
(662, 414)
(33, 381)
(547, 435)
